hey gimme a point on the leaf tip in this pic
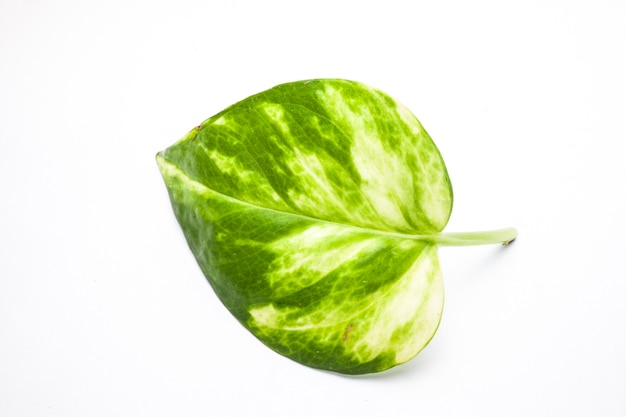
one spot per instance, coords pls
(160, 160)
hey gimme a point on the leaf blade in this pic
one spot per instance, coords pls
(294, 203)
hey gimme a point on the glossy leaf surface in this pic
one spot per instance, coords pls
(308, 208)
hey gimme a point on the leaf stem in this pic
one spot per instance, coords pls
(503, 236)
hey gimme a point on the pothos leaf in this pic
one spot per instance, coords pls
(311, 209)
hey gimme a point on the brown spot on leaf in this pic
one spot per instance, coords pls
(346, 334)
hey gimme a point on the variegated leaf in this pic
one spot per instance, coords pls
(309, 207)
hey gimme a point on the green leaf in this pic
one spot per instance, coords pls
(314, 209)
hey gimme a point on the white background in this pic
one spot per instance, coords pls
(103, 310)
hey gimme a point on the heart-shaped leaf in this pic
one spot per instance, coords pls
(314, 210)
